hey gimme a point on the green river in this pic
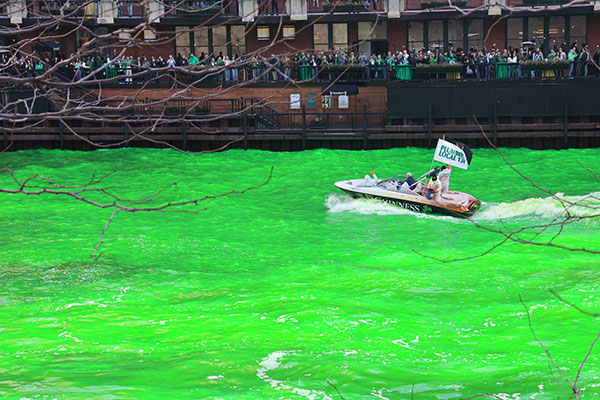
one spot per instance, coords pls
(293, 290)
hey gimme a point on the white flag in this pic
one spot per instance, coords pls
(450, 153)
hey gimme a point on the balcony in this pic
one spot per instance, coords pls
(42, 9)
(345, 7)
(437, 4)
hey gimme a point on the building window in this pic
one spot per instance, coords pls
(311, 100)
(379, 32)
(340, 36)
(535, 30)
(321, 36)
(289, 32)
(124, 36)
(182, 40)
(435, 35)
(201, 43)
(556, 32)
(219, 40)
(262, 33)
(415, 35)
(149, 35)
(514, 33)
(364, 30)
(455, 34)
(238, 40)
(475, 36)
(577, 30)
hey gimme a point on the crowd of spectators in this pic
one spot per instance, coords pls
(322, 65)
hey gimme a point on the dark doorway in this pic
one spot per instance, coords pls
(379, 47)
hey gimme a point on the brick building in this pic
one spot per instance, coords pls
(279, 26)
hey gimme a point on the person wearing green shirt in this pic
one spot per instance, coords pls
(388, 66)
(193, 61)
(111, 68)
(220, 63)
(501, 65)
(572, 56)
(303, 67)
(379, 63)
(547, 73)
(39, 68)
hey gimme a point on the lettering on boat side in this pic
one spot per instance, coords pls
(408, 206)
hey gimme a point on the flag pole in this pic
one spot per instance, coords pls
(433, 159)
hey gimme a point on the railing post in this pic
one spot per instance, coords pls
(61, 135)
(303, 127)
(245, 122)
(125, 131)
(494, 121)
(4, 134)
(566, 126)
(365, 126)
(184, 133)
(429, 124)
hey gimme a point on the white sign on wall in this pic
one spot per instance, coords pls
(343, 101)
(294, 101)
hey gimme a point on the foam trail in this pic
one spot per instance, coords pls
(546, 208)
(273, 361)
(337, 203)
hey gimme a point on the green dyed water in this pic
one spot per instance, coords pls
(277, 292)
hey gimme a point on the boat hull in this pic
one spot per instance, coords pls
(468, 204)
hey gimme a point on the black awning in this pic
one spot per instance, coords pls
(336, 90)
(48, 46)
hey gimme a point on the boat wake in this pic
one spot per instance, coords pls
(338, 203)
(543, 208)
(537, 207)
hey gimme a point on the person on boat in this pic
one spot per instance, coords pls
(370, 180)
(444, 178)
(410, 183)
(434, 189)
(433, 172)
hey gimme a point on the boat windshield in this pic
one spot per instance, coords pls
(398, 177)
(392, 183)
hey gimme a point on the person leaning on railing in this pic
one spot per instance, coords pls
(572, 57)
(583, 59)
(548, 73)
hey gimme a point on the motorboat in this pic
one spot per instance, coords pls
(413, 194)
(393, 191)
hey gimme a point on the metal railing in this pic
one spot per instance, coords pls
(138, 75)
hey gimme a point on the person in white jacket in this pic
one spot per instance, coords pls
(444, 178)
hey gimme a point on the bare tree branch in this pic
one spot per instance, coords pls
(118, 204)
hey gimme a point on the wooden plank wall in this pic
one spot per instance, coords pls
(276, 96)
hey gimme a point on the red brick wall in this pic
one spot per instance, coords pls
(475, 3)
(352, 33)
(412, 4)
(69, 44)
(593, 26)
(397, 35)
(301, 42)
(495, 33)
